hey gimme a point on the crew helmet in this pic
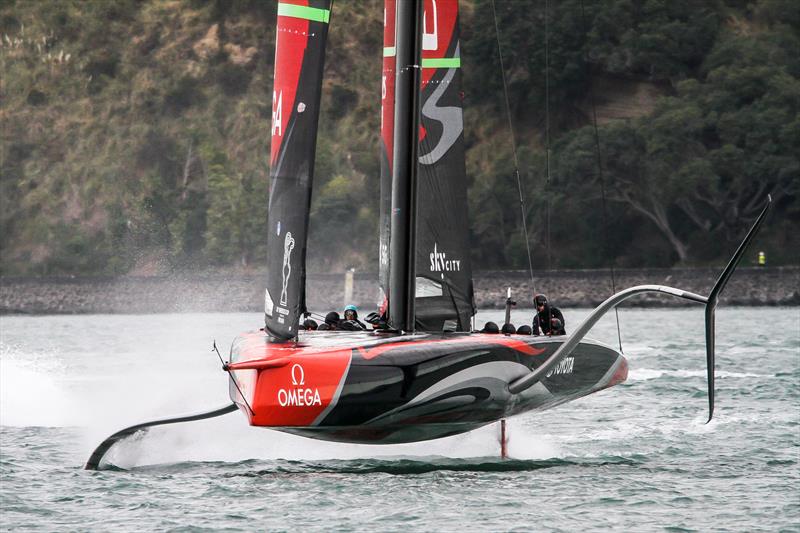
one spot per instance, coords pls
(508, 329)
(490, 327)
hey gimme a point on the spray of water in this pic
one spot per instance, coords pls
(150, 367)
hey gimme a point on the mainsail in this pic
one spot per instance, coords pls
(444, 289)
(299, 57)
(387, 143)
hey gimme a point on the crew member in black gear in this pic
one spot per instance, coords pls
(490, 327)
(508, 329)
(332, 320)
(556, 327)
(545, 313)
(351, 321)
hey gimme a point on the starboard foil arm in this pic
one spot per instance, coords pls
(710, 302)
(97, 455)
(580, 332)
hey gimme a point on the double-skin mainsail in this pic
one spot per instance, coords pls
(302, 32)
(442, 273)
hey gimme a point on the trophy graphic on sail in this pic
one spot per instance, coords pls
(288, 246)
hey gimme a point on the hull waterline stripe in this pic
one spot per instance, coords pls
(304, 12)
(441, 62)
(389, 51)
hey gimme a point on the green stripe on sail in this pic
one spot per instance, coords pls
(389, 51)
(303, 12)
(441, 62)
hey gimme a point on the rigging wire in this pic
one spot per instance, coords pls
(513, 147)
(602, 183)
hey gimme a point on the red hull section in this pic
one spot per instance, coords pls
(294, 385)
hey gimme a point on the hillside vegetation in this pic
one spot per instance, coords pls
(135, 134)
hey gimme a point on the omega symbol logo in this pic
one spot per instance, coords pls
(298, 372)
(299, 395)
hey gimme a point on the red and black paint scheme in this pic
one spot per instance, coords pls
(391, 387)
(384, 388)
(299, 59)
(388, 387)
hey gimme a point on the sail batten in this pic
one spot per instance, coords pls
(299, 59)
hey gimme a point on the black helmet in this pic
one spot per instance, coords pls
(490, 327)
(310, 324)
(539, 299)
(524, 330)
(332, 318)
(323, 327)
(556, 323)
(508, 329)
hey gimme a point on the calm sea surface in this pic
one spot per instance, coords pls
(636, 457)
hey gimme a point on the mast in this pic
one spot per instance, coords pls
(404, 165)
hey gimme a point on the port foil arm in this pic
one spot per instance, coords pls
(97, 455)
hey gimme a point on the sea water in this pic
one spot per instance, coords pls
(637, 457)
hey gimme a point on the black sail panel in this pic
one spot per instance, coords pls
(299, 58)
(443, 270)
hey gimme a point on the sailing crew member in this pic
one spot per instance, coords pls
(490, 327)
(351, 321)
(545, 313)
(556, 327)
(332, 320)
(508, 329)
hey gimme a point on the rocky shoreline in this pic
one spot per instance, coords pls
(245, 292)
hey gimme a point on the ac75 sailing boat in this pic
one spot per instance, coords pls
(425, 375)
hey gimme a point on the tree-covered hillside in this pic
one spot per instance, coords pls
(135, 134)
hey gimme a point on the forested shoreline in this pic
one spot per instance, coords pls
(135, 134)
